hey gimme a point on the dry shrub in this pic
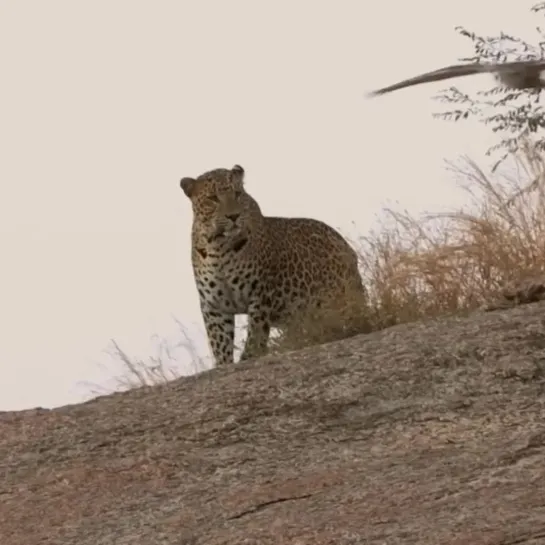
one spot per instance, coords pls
(454, 262)
(340, 319)
(437, 264)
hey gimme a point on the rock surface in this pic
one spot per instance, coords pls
(428, 433)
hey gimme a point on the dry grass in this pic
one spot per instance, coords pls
(438, 264)
(339, 319)
(447, 263)
(159, 368)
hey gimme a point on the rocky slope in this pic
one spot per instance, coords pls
(430, 433)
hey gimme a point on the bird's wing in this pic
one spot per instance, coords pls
(453, 71)
(456, 70)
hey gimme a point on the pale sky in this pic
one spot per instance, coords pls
(105, 105)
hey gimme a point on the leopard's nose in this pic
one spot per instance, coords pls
(233, 217)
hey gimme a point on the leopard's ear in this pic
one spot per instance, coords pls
(188, 186)
(237, 173)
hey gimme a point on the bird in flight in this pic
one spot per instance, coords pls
(515, 75)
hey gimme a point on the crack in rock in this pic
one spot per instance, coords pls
(263, 505)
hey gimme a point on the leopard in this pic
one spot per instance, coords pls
(274, 270)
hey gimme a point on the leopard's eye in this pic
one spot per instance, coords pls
(238, 194)
(213, 198)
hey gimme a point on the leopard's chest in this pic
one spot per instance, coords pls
(225, 285)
